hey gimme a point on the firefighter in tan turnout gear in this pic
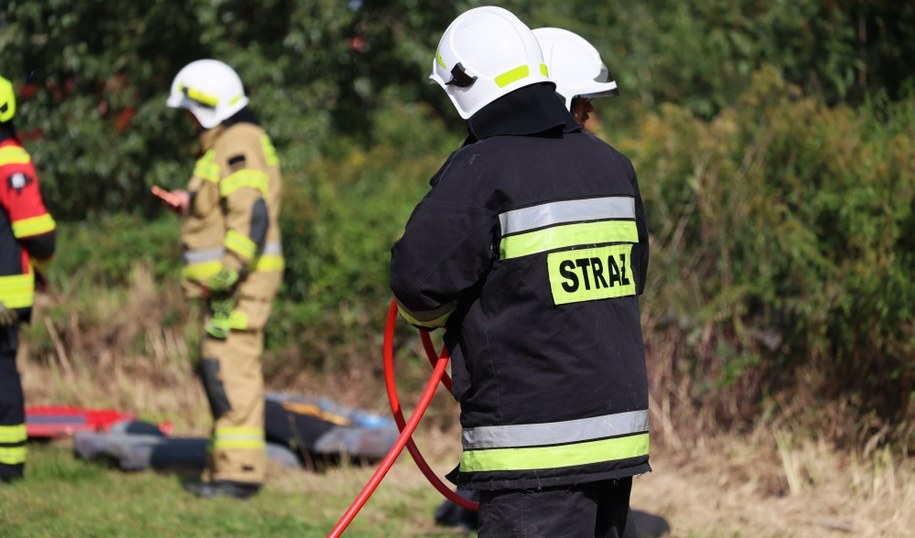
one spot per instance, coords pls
(233, 262)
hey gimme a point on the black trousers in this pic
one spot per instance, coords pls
(597, 509)
(12, 408)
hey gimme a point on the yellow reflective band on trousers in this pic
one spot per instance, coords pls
(12, 455)
(238, 438)
(568, 235)
(588, 274)
(254, 179)
(13, 434)
(33, 226)
(204, 270)
(206, 168)
(17, 291)
(241, 245)
(14, 155)
(554, 457)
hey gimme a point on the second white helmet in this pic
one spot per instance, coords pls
(211, 90)
(575, 65)
(485, 53)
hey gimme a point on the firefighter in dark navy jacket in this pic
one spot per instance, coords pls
(531, 249)
(27, 241)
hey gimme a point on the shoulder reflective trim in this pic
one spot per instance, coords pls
(241, 245)
(553, 433)
(33, 226)
(269, 151)
(13, 434)
(206, 168)
(229, 438)
(554, 457)
(17, 291)
(244, 178)
(589, 274)
(429, 319)
(12, 455)
(202, 255)
(14, 155)
(518, 73)
(543, 215)
(567, 236)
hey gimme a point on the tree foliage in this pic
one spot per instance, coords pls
(773, 141)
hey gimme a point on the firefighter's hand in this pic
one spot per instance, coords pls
(7, 316)
(222, 282)
(220, 314)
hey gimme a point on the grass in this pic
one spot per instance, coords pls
(63, 497)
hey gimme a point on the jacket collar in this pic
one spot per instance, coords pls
(529, 111)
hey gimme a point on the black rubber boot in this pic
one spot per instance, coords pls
(223, 488)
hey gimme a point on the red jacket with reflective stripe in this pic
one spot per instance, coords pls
(27, 230)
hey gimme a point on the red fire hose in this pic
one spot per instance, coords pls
(406, 428)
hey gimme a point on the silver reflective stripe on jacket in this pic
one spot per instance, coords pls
(549, 214)
(555, 433)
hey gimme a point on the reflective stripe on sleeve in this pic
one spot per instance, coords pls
(33, 226)
(206, 168)
(254, 179)
(429, 319)
(241, 245)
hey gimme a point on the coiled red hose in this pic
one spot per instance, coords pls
(406, 428)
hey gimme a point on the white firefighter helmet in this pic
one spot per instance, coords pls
(7, 100)
(210, 90)
(575, 65)
(485, 53)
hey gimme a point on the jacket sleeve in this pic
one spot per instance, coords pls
(446, 250)
(641, 222)
(243, 190)
(32, 224)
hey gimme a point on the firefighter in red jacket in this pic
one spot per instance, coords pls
(27, 240)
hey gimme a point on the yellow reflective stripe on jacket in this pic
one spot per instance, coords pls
(17, 291)
(568, 235)
(33, 226)
(552, 457)
(12, 455)
(241, 245)
(206, 167)
(238, 438)
(254, 179)
(269, 151)
(13, 434)
(14, 155)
